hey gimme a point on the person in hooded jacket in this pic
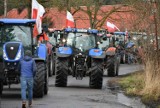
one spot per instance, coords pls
(27, 68)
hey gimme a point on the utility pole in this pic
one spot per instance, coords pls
(5, 8)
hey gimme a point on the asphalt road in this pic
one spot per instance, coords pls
(76, 95)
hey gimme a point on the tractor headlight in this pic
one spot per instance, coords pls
(63, 40)
(18, 55)
(98, 43)
(5, 55)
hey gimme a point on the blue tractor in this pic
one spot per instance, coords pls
(77, 54)
(121, 44)
(16, 37)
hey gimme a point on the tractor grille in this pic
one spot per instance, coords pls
(12, 49)
(80, 59)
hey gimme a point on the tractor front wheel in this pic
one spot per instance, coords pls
(61, 71)
(50, 66)
(39, 80)
(96, 75)
(112, 68)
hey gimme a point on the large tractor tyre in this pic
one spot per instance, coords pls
(112, 69)
(53, 64)
(1, 88)
(126, 58)
(96, 75)
(39, 80)
(73, 72)
(122, 59)
(46, 82)
(61, 71)
(50, 66)
(117, 68)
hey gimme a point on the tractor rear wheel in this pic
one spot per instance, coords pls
(96, 75)
(61, 72)
(112, 68)
(53, 62)
(50, 66)
(39, 80)
(46, 82)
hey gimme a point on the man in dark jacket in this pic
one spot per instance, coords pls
(28, 70)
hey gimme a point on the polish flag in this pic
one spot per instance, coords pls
(69, 20)
(37, 13)
(111, 27)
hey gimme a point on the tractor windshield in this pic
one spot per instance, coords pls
(81, 41)
(15, 33)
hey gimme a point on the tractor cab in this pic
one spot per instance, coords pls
(105, 39)
(121, 38)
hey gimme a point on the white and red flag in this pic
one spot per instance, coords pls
(37, 13)
(69, 20)
(111, 27)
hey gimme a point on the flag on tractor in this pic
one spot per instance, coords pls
(37, 13)
(111, 27)
(69, 20)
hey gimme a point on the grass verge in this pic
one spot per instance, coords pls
(133, 85)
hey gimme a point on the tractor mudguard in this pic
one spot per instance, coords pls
(111, 51)
(97, 53)
(63, 51)
(42, 51)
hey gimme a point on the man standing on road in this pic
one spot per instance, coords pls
(28, 70)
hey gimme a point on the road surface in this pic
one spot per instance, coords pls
(76, 95)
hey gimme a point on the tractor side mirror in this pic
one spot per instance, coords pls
(50, 34)
(104, 38)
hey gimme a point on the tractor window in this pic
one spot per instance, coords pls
(52, 39)
(70, 39)
(16, 33)
(104, 44)
(82, 41)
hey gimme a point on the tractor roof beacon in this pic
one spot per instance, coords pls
(16, 37)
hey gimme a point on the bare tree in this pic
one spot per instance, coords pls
(148, 13)
(5, 8)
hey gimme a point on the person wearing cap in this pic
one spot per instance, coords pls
(27, 68)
